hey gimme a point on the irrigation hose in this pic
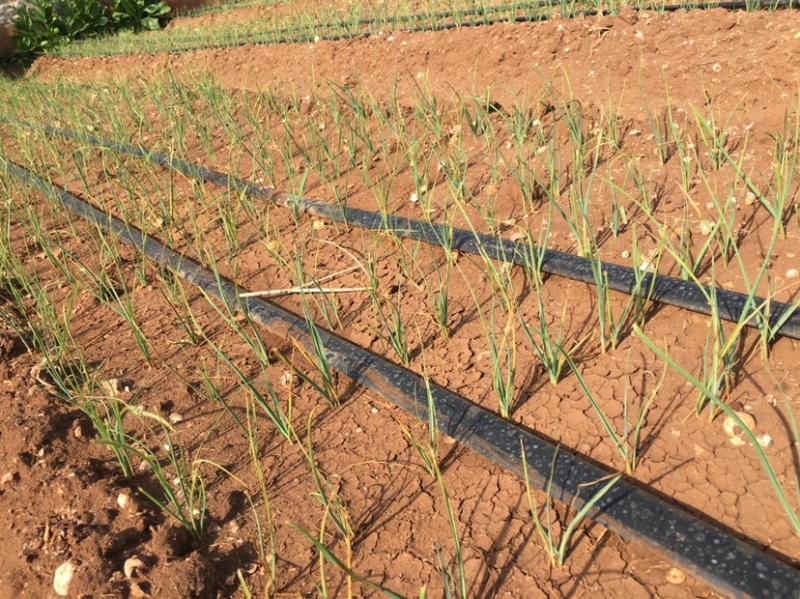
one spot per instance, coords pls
(719, 559)
(783, 319)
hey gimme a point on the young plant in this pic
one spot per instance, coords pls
(627, 444)
(547, 349)
(455, 583)
(336, 509)
(328, 387)
(138, 15)
(661, 129)
(500, 336)
(97, 399)
(174, 294)
(267, 549)
(555, 547)
(713, 133)
(503, 355)
(718, 403)
(326, 554)
(439, 292)
(391, 326)
(188, 502)
(271, 405)
(267, 400)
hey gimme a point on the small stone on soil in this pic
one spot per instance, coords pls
(675, 576)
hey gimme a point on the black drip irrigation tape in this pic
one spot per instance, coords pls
(783, 319)
(722, 561)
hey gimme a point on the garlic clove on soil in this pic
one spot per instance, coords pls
(63, 577)
(734, 431)
(123, 500)
(289, 380)
(132, 566)
(675, 576)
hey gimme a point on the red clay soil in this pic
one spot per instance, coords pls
(726, 55)
(59, 498)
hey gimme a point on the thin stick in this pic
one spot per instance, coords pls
(333, 275)
(290, 290)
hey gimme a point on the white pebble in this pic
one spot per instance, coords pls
(289, 380)
(792, 273)
(706, 227)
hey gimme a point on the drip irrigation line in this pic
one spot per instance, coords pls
(783, 319)
(722, 561)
